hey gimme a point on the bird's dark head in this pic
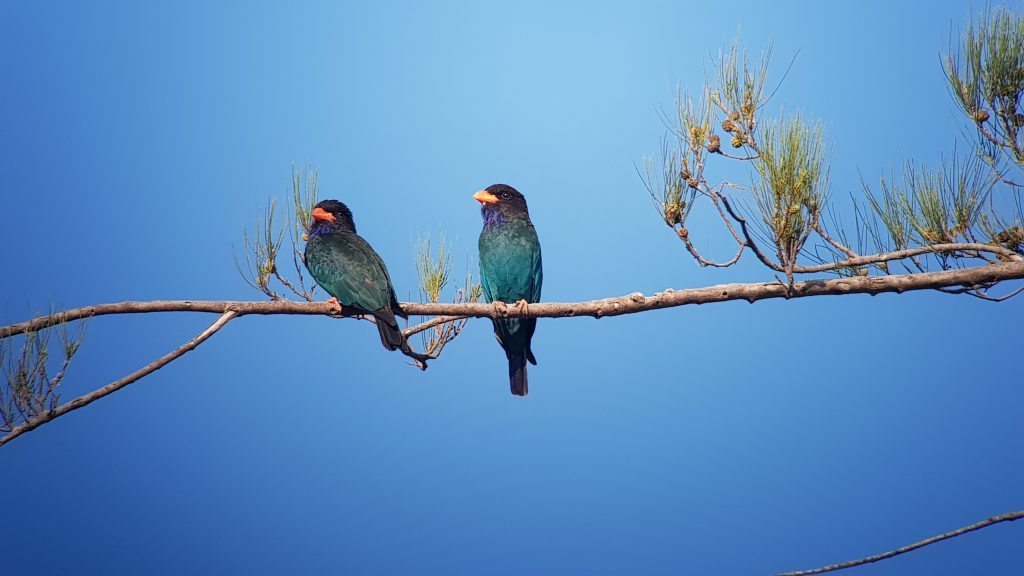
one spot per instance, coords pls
(331, 216)
(500, 202)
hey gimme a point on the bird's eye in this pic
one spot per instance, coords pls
(504, 195)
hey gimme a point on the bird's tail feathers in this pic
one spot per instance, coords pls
(517, 374)
(390, 334)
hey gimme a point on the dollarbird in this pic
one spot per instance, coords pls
(348, 269)
(510, 272)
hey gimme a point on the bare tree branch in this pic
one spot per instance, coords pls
(1009, 517)
(748, 238)
(629, 304)
(967, 278)
(430, 324)
(118, 384)
(910, 252)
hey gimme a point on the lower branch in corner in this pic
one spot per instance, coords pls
(118, 384)
(1008, 517)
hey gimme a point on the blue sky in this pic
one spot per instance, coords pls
(722, 439)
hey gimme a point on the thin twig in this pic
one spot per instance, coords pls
(287, 284)
(741, 244)
(990, 137)
(908, 253)
(742, 158)
(118, 384)
(749, 240)
(684, 235)
(430, 324)
(1009, 517)
(715, 195)
(988, 298)
(821, 231)
(419, 359)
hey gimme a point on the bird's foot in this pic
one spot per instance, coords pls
(334, 305)
(522, 306)
(499, 308)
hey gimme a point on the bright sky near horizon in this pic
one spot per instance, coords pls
(138, 139)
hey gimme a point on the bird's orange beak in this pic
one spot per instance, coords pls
(485, 197)
(321, 214)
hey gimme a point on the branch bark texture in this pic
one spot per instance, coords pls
(628, 304)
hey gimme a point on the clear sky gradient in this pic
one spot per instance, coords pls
(728, 439)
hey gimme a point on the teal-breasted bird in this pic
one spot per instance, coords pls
(345, 266)
(510, 272)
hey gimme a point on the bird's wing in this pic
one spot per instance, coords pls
(350, 270)
(537, 277)
(510, 264)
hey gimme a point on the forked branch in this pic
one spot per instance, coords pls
(630, 304)
(118, 384)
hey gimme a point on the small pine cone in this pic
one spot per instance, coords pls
(673, 214)
(980, 116)
(692, 182)
(728, 125)
(1012, 238)
(683, 232)
(714, 144)
(735, 116)
(738, 141)
(685, 174)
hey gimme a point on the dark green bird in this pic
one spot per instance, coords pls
(510, 272)
(345, 265)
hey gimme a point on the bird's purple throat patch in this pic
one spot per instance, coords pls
(492, 216)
